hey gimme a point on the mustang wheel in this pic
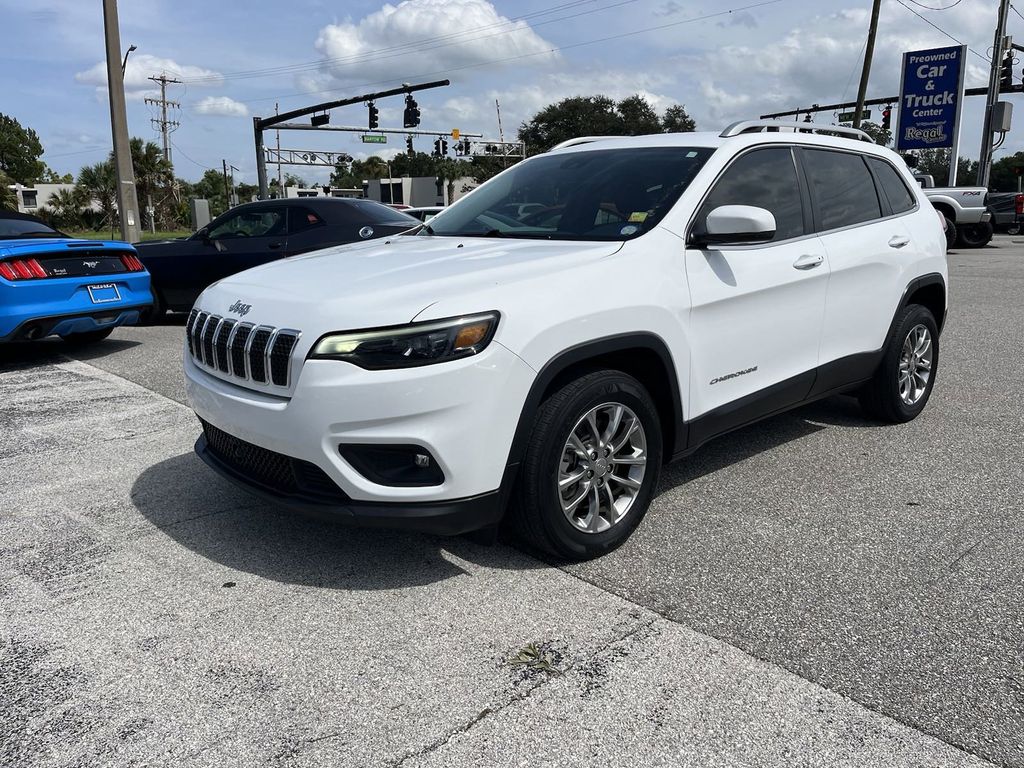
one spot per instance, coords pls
(903, 382)
(591, 466)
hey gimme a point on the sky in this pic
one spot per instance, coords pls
(724, 60)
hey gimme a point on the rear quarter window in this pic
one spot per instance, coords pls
(842, 190)
(900, 198)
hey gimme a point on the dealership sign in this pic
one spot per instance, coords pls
(931, 97)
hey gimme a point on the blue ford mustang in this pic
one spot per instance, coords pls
(51, 284)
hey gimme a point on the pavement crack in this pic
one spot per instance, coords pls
(518, 697)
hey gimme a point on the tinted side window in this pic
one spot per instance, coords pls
(841, 188)
(301, 219)
(900, 198)
(765, 178)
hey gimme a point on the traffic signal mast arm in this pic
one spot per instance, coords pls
(876, 102)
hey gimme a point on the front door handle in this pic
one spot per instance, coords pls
(275, 245)
(897, 241)
(809, 261)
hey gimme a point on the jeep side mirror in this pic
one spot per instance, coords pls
(736, 225)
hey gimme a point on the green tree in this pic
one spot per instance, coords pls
(20, 150)
(638, 116)
(211, 187)
(676, 120)
(64, 209)
(8, 197)
(1003, 177)
(878, 134)
(152, 171)
(599, 116)
(99, 182)
(935, 163)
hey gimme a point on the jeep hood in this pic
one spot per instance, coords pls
(390, 281)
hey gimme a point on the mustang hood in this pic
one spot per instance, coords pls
(388, 282)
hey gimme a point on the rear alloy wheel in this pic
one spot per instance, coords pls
(591, 466)
(903, 382)
(974, 235)
(87, 337)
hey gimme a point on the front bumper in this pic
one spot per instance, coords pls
(444, 518)
(464, 413)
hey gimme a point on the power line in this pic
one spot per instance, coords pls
(489, 62)
(932, 8)
(940, 29)
(194, 162)
(1016, 11)
(411, 46)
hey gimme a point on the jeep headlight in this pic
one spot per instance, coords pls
(406, 346)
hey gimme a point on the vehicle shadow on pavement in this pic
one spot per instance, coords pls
(50, 351)
(203, 513)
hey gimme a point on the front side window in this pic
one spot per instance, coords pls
(841, 188)
(301, 219)
(262, 222)
(895, 189)
(597, 194)
(764, 178)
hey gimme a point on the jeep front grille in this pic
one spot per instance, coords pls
(257, 353)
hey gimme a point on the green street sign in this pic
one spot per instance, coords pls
(847, 117)
(374, 138)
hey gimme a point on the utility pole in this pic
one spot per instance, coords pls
(869, 52)
(998, 47)
(227, 189)
(280, 181)
(163, 124)
(127, 199)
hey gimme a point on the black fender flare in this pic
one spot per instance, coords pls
(575, 355)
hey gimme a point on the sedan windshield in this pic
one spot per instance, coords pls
(600, 194)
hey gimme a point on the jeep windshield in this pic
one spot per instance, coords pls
(597, 194)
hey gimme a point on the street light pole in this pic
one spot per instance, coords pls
(998, 46)
(127, 200)
(124, 64)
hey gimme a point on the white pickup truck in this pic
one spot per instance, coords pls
(968, 220)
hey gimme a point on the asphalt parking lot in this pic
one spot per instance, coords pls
(813, 590)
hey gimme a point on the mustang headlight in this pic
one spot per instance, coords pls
(405, 346)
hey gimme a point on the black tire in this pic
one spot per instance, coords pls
(950, 233)
(158, 311)
(974, 235)
(1013, 229)
(536, 506)
(88, 337)
(881, 397)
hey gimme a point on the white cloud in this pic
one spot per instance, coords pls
(422, 36)
(223, 106)
(141, 67)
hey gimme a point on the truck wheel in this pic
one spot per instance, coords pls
(1013, 229)
(591, 466)
(974, 235)
(950, 233)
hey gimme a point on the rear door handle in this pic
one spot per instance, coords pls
(896, 241)
(275, 245)
(809, 261)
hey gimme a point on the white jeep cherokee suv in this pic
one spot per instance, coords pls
(668, 289)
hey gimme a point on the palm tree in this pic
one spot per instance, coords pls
(99, 183)
(64, 209)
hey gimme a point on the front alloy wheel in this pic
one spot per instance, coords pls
(591, 466)
(602, 466)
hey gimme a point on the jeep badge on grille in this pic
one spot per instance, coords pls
(239, 308)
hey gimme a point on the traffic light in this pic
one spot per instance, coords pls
(408, 146)
(808, 118)
(374, 115)
(1006, 72)
(467, 148)
(887, 118)
(437, 148)
(444, 147)
(411, 116)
